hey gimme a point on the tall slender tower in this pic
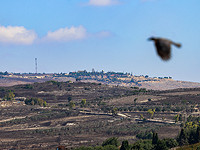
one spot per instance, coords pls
(36, 65)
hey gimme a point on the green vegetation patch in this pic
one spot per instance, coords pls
(190, 147)
(36, 101)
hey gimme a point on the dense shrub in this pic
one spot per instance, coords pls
(161, 145)
(125, 145)
(142, 144)
(170, 143)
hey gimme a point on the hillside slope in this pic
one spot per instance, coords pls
(169, 84)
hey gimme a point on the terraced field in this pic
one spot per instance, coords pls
(109, 111)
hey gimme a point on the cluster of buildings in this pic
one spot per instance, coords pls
(115, 78)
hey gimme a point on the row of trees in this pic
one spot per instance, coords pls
(157, 108)
(36, 101)
(154, 144)
(189, 136)
(185, 137)
(72, 104)
(10, 96)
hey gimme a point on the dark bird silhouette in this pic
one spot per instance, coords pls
(163, 47)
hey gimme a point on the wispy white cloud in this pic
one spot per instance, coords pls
(103, 34)
(74, 33)
(103, 2)
(16, 35)
(67, 34)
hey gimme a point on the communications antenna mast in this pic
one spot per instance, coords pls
(36, 65)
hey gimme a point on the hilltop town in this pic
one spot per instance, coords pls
(110, 78)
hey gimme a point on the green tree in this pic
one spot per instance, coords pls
(155, 138)
(45, 104)
(151, 112)
(135, 100)
(125, 145)
(160, 145)
(69, 99)
(176, 118)
(181, 117)
(182, 138)
(142, 145)
(83, 102)
(192, 137)
(71, 105)
(36, 101)
(198, 134)
(170, 143)
(141, 116)
(39, 101)
(9, 96)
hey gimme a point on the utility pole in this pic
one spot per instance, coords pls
(35, 65)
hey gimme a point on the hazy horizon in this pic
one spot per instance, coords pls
(109, 35)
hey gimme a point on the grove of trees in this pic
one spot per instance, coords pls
(36, 101)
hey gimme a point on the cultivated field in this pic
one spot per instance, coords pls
(88, 113)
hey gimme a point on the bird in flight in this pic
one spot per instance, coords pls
(163, 47)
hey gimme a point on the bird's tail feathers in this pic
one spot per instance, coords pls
(177, 44)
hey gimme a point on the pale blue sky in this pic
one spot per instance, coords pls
(109, 35)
